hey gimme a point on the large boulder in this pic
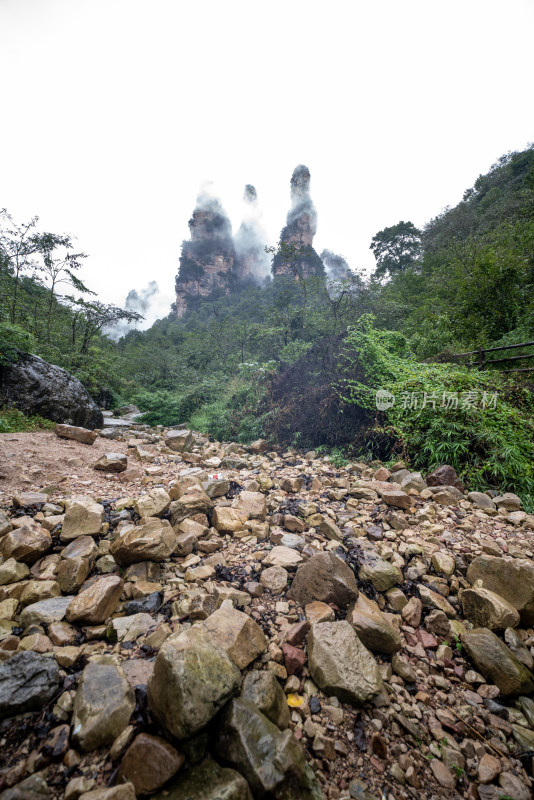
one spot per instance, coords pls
(511, 578)
(445, 475)
(237, 634)
(27, 681)
(37, 387)
(83, 517)
(271, 760)
(262, 688)
(373, 627)
(153, 541)
(26, 544)
(193, 678)
(96, 603)
(207, 781)
(102, 707)
(340, 664)
(497, 663)
(324, 577)
(485, 609)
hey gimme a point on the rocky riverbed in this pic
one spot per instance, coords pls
(183, 618)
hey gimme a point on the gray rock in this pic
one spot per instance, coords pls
(32, 788)
(414, 480)
(381, 573)
(485, 609)
(234, 462)
(37, 387)
(497, 663)
(192, 680)
(520, 651)
(374, 629)
(216, 488)
(112, 462)
(446, 495)
(481, 500)
(207, 781)
(274, 579)
(179, 440)
(27, 681)
(508, 501)
(511, 578)
(272, 761)
(45, 611)
(398, 476)
(102, 707)
(5, 524)
(340, 664)
(153, 504)
(324, 577)
(261, 687)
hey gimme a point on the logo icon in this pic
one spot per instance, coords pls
(384, 400)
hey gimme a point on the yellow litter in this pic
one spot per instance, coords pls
(294, 701)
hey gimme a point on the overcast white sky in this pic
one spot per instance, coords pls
(114, 112)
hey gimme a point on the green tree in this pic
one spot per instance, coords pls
(59, 268)
(396, 248)
(18, 245)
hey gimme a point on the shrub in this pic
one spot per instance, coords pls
(478, 422)
(14, 421)
(13, 338)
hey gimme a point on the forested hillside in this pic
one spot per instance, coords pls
(299, 360)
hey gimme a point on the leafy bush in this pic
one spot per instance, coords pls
(12, 339)
(478, 422)
(172, 408)
(14, 421)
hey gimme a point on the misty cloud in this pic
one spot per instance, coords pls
(149, 302)
(336, 266)
(250, 239)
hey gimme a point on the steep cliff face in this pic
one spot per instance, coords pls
(208, 259)
(213, 260)
(301, 226)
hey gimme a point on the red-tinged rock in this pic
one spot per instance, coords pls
(488, 691)
(149, 763)
(378, 746)
(442, 774)
(138, 671)
(428, 641)
(377, 764)
(297, 632)
(294, 659)
(82, 435)
(445, 475)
